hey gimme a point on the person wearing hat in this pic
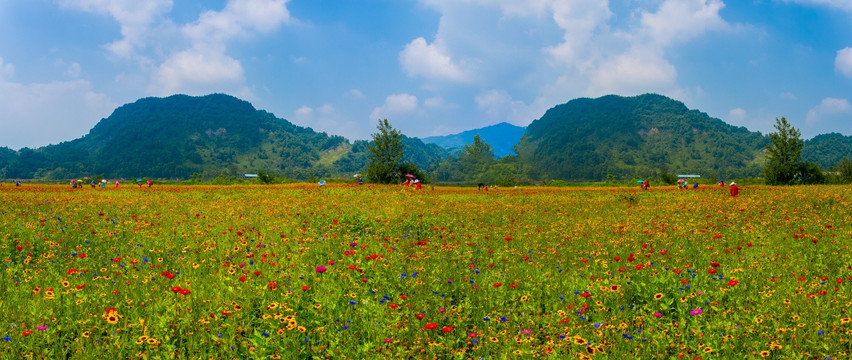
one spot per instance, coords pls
(735, 190)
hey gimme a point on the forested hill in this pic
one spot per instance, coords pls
(588, 139)
(178, 136)
(827, 149)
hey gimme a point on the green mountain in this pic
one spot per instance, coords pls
(501, 137)
(827, 149)
(640, 136)
(178, 136)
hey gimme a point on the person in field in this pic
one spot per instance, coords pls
(646, 185)
(116, 184)
(150, 183)
(735, 190)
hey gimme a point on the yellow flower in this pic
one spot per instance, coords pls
(658, 296)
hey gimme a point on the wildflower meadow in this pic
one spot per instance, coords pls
(356, 272)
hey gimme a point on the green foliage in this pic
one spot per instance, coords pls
(842, 171)
(265, 178)
(385, 154)
(783, 153)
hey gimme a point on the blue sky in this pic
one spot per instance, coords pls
(432, 67)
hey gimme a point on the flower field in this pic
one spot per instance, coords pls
(347, 271)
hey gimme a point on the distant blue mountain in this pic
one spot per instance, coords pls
(501, 137)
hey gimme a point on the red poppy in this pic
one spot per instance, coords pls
(711, 271)
(585, 294)
(431, 326)
(26, 333)
(184, 291)
(242, 279)
(420, 316)
(447, 329)
(111, 310)
(272, 285)
(733, 283)
(305, 288)
(496, 285)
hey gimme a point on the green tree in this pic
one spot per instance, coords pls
(385, 154)
(842, 171)
(783, 153)
(476, 158)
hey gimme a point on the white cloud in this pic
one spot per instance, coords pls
(827, 108)
(304, 112)
(638, 71)
(680, 20)
(843, 61)
(787, 96)
(6, 70)
(397, 104)
(73, 70)
(239, 19)
(438, 103)
(135, 18)
(429, 61)
(578, 20)
(354, 94)
(39, 114)
(499, 106)
(736, 116)
(196, 72)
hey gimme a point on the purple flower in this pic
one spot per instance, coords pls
(320, 269)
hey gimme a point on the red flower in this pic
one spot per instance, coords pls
(111, 310)
(496, 285)
(26, 333)
(508, 238)
(82, 256)
(839, 281)
(184, 291)
(257, 273)
(242, 279)
(420, 316)
(431, 326)
(513, 286)
(305, 288)
(684, 281)
(617, 258)
(711, 271)
(733, 283)
(272, 285)
(176, 289)
(714, 264)
(585, 294)
(393, 306)
(447, 329)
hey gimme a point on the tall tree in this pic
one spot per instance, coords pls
(477, 157)
(783, 153)
(385, 154)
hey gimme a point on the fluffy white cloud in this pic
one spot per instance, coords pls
(396, 104)
(637, 71)
(827, 108)
(429, 61)
(578, 20)
(38, 114)
(843, 61)
(239, 18)
(196, 72)
(680, 20)
(135, 18)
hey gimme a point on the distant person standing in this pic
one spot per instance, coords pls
(116, 184)
(735, 190)
(150, 183)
